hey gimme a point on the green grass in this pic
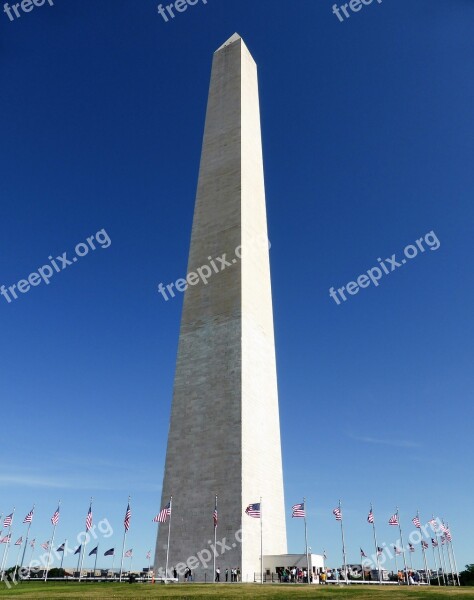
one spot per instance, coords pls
(104, 591)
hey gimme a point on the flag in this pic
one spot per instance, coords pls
(110, 552)
(370, 518)
(129, 553)
(444, 529)
(214, 514)
(19, 541)
(29, 517)
(299, 511)
(434, 543)
(6, 539)
(55, 517)
(61, 548)
(94, 551)
(253, 510)
(393, 519)
(148, 555)
(163, 514)
(8, 520)
(128, 516)
(411, 547)
(379, 551)
(78, 549)
(443, 540)
(45, 545)
(363, 554)
(324, 555)
(89, 519)
(416, 522)
(424, 544)
(337, 513)
(397, 550)
(434, 524)
(33, 542)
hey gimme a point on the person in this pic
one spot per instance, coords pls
(175, 573)
(305, 576)
(416, 578)
(218, 575)
(227, 575)
(237, 575)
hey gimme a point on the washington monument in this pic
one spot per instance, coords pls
(224, 436)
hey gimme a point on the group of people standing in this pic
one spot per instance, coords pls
(234, 575)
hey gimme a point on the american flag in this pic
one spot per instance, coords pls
(434, 524)
(215, 516)
(379, 550)
(128, 516)
(443, 541)
(19, 541)
(363, 554)
(163, 514)
(89, 518)
(299, 511)
(110, 552)
(8, 520)
(29, 516)
(6, 539)
(393, 519)
(148, 555)
(449, 537)
(424, 544)
(128, 553)
(78, 550)
(45, 545)
(33, 543)
(397, 550)
(337, 513)
(55, 517)
(434, 543)
(416, 522)
(444, 529)
(61, 547)
(411, 547)
(370, 518)
(253, 510)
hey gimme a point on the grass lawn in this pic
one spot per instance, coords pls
(269, 592)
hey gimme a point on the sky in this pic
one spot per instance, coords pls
(367, 128)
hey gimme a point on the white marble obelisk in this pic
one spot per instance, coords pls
(224, 435)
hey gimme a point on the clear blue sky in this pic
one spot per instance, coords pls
(368, 145)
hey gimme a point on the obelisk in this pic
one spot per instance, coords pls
(224, 435)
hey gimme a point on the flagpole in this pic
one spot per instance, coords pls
(306, 540)
(16, 562)
(343, 543)
(396, 563)
(96, 555)
(215, 539)
(424, 552)
(64, 550)
(85, 542)
(131, 558)
(261, 541)
(26, 541)
(113, 562)
(403, 547)
(78, 560)
(123, 547)
(376, 545)
(169, 534)
(436, 563)
(9, 539)
(439, 551)
(444, 560)
(31, 559)
(51, 545)
(454, 558)
(449, 555)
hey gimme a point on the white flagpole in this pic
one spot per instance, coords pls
(51, 546)
(149, 562)
(7, 545)
(444, 559)
(306, 541)
(454, 558)
(113, 562)
(78, 561)
(215, 539)
(96, 555)
(438, 541)
(31, 559)
(375, 544)
(396, 563)
(84, 545)
(428, 578)
(435, 562)
(123, 546)
(16, 562)
(449, 557)
(343, 543)
(62, 557)
(131, 558)
(403, 546)
(26, 541)
(261, 542)
(169, 534)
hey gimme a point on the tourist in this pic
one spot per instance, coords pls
(218, 575)
(227, 575)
